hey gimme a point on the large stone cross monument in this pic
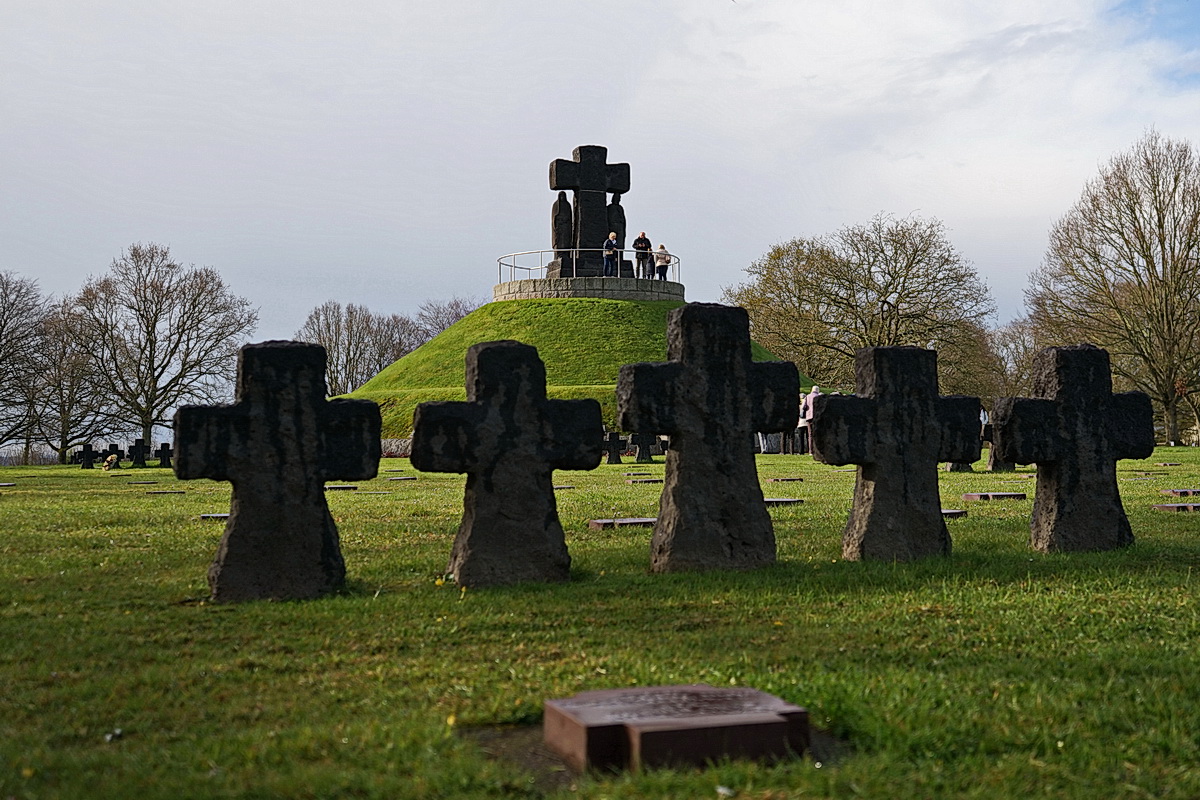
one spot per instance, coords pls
(1075, 429)
(278, 444)
(710, 397)
(896, 428)
(591, 178)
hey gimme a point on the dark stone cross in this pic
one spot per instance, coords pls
(1075, 429)
(590, 178)
(137, 453)
(278, 444)
(508, 438)
(87, 457)
(613, 445)
(710, 397)
(164, 453)
(643, 442)
(113, 450)
(897, 429)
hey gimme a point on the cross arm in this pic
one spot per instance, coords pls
(616, 178)
(647, 396)
(564, 174)
(577, 428)
(843, 429)
(775, 396)
(1025, 430)
(1131, 425)
(444, 435)
(350, 441)
(958, 420)
(207, 439)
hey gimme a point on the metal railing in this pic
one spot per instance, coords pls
(532, 264)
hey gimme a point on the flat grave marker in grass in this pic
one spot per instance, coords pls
(141, 483)
(710, 397)
(782, 501)
(995, 496)
(280, 541)
(645, 480)
(953, 513)
(556, 488)
(1167, 464)
(1075, 429)
(167, 491)
(341, 488)
(661, 726)
(214, 516)
(1178, 507)
(404, 478)
(622, 522)
(898, 428)
(509, 438)
(7, 484)
(1180, 492)
(632, 474)
(785, 480)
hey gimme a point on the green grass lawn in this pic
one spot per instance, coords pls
(994, 673)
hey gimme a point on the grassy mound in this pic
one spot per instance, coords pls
(584, 342)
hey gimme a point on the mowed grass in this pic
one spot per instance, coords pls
(996, 672)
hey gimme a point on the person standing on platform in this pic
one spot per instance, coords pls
(645, 268)
(612, 253)
(662, 260)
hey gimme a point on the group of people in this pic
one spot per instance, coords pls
(648, 260)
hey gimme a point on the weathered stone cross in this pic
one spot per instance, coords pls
(509, 439)
(1075, 429)
(897, 429)
(87, 456)
(643, 442)
(278, 444)
(590, 177)
(613, 446)
(137, 453)
(164, 453)
(710, 398)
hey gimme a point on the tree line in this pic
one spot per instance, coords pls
(1122, 271)
(152, 334)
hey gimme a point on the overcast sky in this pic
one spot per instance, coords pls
(387, 152)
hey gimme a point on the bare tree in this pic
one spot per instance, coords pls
(21, 310)
(434, 316)
(358, 344)
(815, 301)
(1123, 271)
(1015, 345)
(160, 334)
(69, 406)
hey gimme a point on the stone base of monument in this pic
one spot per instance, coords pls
(1178, 507)
(994, 496)
(1180, 492)
(622, 522)
(672, 726)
